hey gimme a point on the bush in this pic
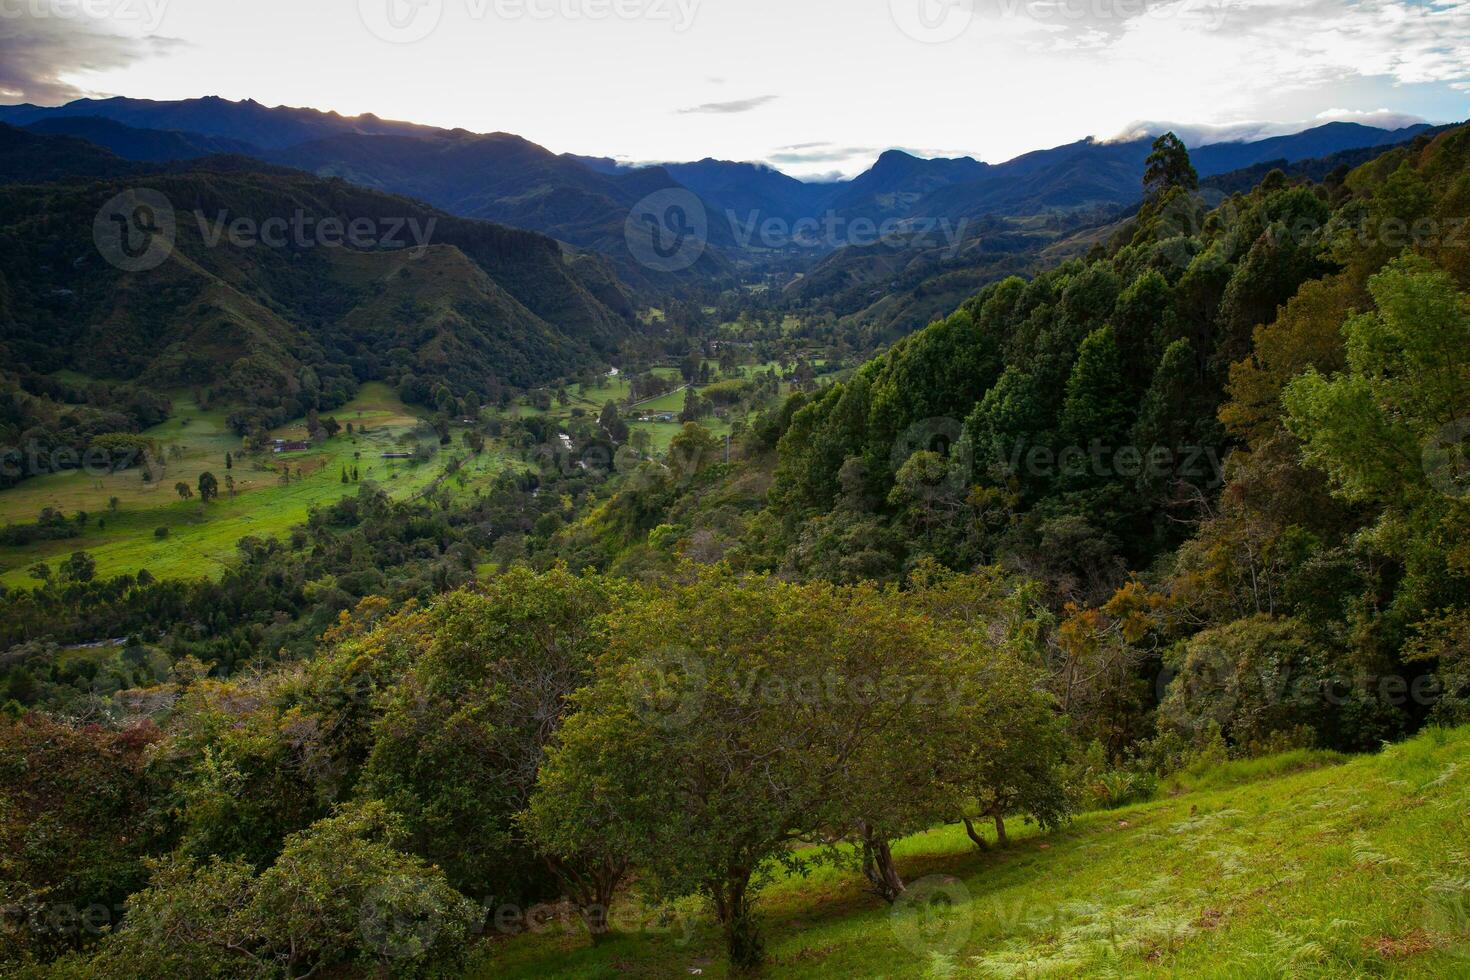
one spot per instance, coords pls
(340, 893)
(160, 533)
(1255, 679)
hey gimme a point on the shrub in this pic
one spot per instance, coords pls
(340, 893)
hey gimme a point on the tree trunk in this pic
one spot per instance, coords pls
(878, 865)
(596, 911)
(1000, 829)
(732, 908)
(592, 887)
(975, 835)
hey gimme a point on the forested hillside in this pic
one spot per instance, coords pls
(1183, 512)
(277, 294)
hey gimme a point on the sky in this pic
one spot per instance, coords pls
(814, 87)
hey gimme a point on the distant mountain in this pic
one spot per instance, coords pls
(897, 181)
(1316, 169)
(248, 121)
(1219, 158)
(745, 188)
(504, 178)
(478, 305)
(149, 145)
(27, 157)
(585, 201)
(1077, 177)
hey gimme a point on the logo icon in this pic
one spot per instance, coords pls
(932, 21)
(668, 230)
(668, 688)
(1185, 221)
(945, 437)
(1447, 459)
(933, 916)
(400, 920)
(401, 21)
(135, 231)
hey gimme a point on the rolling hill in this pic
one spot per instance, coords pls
(476, 306)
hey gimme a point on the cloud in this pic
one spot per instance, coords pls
(40, 52)
(1310, 42)
(1204, 134)
(807, 153)
(1380, 118)
(729, 108)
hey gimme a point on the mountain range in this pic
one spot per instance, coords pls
(526, 295)
(585, 201)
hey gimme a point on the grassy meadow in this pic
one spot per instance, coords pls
(200, 538)
(151, 527)
(1302, 865)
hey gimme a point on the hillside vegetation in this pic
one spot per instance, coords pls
(1305, 864)
(1094, 596)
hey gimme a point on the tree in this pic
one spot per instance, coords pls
(692, 451)
(183, 490)
(612, 423)
(1169, 167)
(694, 406)
(1407, 381)
(733, 717)
(41, 572)
(1254, 678)
(461, 737)
(208, 487)
(229, 461)
(1096, 408)
(341, 892)
(1174, 417)
(66, 781)
(79, 566)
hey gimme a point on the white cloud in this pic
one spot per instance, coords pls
(46, 53)
(1204, 134)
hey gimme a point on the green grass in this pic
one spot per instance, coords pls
(1304, 865)
(201, 539)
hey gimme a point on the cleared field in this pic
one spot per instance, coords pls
(200, 538)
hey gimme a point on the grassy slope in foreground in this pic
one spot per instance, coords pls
(1294, 866)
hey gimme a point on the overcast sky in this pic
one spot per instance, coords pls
(813, 86)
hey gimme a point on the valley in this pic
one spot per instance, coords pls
(424, 553)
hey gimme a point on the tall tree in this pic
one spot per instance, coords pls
(1168, 167)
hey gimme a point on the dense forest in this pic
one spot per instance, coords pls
(1197, 493)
